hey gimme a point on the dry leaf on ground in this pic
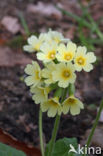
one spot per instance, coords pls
(11, 58)
(44, 9)
(11, 24)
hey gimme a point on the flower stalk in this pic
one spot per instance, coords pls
(57, 121)
(94, 126)
(41, 132)
(54, 134)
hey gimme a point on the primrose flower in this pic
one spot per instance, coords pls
(64, 74)
(73, 105)
(47, 73)
(34, 43)
(40, 94)
(52, 106)
(55, 36)
(83, 60)
(66, 54)
(48, 52)
(34, 72)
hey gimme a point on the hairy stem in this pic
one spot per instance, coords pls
(54, 134)
(94, 126)
(56, 125)
(41, 132)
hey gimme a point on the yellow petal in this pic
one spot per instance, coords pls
(28, 48)
(32, 40)
(88, 67)
(71, 47)
(30, 81)
(81, 50)
(29, 69)
(75, 110)
(91, 57)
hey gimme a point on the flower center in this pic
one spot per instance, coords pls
(66, 74)
(57, 40)
(81, 61)
(67, 57)
(71, 101)
(51, 55)
(54, 104)
(37, 75)
(37, 46)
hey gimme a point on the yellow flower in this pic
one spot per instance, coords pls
(55, 36)
(47, 73)
(83, 60)
(66, 54)
(64, 74)
(73, 105)
(52, 106)
(34, 72)
(34, 43)
(40, 94)
(48, 52)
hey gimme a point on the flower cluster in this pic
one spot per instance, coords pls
(35, 43)
(61, 59)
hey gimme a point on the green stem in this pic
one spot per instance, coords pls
(56, 126)
(71, 89)
(54, 134)
(41, 132)
(95, 125)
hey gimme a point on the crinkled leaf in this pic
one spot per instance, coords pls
(6, 150)
(62, 147)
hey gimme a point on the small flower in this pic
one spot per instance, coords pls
(64, 74)
(55, 36)
(66, 54)
(73, 104)
(34, 72)
(83, 60)
(40, 94)
(34, 43)
(52, 106)
(48, 52)
(47, 73)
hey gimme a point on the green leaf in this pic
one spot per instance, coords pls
(77, 18)
(24, 24)
(2, 153)
(62, 147)
(6, 150)
(79, 155)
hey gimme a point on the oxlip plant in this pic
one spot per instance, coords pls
(52, 83)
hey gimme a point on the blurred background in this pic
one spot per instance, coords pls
(79, 20)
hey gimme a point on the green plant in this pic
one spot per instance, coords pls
(60, 59)
(86, 21)
(6, 150)
(24, 24)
